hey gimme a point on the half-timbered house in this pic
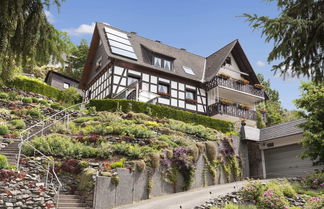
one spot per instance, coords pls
(125, 65)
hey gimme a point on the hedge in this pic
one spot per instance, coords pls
(36, 86)
(33, 85)
(161, 112)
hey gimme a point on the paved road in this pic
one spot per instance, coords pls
(185, 200)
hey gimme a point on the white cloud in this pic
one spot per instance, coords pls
(81, 30)
(49, 16)
(259, 63)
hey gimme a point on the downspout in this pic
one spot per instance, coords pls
(263, 164)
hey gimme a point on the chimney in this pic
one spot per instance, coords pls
(183, 49)
(133, 32)
(158, 41)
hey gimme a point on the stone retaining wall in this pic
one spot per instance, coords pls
(133, 186)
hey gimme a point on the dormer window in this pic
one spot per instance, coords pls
(162, 62)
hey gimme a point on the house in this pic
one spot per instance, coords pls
(60, 81)
(125, 65)
(275, 151)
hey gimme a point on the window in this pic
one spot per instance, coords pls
(162, 63)
(190, 94)
(228, 61)
(164, 88)
(66, 85)
(98, 64)
(188, 70)
(157, 62)
(131, 79)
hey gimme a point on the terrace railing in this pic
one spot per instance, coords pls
(233, 110)
(234, 84)
(51, 180)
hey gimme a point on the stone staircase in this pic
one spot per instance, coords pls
(68, 201)
(11, 152)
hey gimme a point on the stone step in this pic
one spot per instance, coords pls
(70, 200)
(8, 154)
(78, 204)
(62, 196)
(71, 207)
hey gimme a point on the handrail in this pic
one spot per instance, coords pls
(24, 140)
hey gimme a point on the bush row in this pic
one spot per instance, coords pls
(160, 112)
(36, 86)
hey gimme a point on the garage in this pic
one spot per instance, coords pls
(284, 162)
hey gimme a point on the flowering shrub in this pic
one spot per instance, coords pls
(184, 164)
(272, 199)
(315, 203)
(252, 191)
(313, 181)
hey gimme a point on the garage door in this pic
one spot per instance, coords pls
(284, 162)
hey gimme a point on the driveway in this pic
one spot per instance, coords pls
(186, 200)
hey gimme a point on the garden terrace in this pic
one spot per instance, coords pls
(112, 140)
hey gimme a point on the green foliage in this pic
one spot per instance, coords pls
(118, 164)
(18, 124)
(260, 121)
(60, 146)
(211, 150)
(197, 130)
(131, 151)
(34, 112)
(315, 203)
(4, 95)
(26, 36)
(299, 24)
(77, 60)
(57, 106)
(313, 180)
(33, 85)
(155, 159)
(43, 102)
(4, 130)
(162, 112)
(86, 179)
(115, 180)
(85, 119)
(311, 102)
(70, 96)
(252, 191)
(3, 162)
(27, 100)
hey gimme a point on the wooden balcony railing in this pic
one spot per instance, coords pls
(233, 84)
(233, 110)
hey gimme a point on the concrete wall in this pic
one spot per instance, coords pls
(133, 186)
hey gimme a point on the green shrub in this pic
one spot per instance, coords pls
(34, 113)
(43, 101)
(35, 100)
(252, 191)
(315, 203)
(57, 106)
(13, 95)
(60, 146)
(231, 206)
(168, 140)
(162, 112)
(70, 96)
(131, 151)
(4, 95)
(211, 150)
(3, 162)
(18, 124)
(86, 179)
(27, 100)
(118, 164)
(85, 119)
(4, 130)
(33, 85)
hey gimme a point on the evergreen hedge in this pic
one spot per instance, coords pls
(34, 85)
(161, 112)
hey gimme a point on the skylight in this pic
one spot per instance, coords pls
(188, 70)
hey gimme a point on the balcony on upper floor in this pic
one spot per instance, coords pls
(236, 110)
(241, 85)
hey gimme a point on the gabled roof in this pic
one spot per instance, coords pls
(214, 61)
(205, 69)
(181, 57)
(282, 130)
(59, 74)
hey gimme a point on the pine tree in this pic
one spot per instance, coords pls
(297, 34)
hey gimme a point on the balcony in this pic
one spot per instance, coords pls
(233, 84)
(232, 110)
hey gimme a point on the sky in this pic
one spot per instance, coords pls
(200, 26)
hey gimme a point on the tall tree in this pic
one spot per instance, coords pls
(77, 60)
(26, 37)
(298, 37)
(312, 102)
(272, 105)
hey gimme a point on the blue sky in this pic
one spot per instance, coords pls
(200, 26)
